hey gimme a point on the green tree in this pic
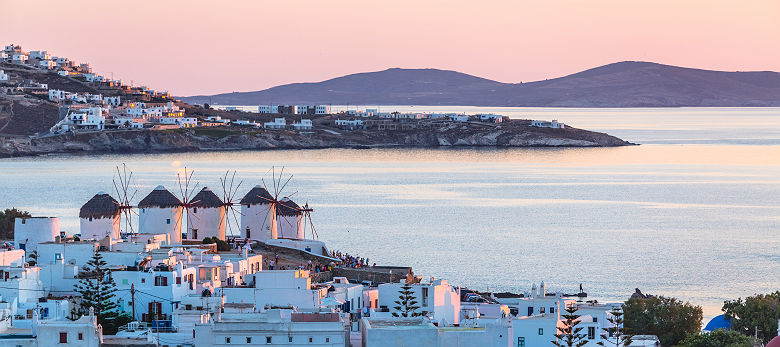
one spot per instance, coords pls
(717, 338)
(569, 334)
(760, 311)
(97, 289)
(407, 303)
(668, 318)
(7, 221)
(615, 335)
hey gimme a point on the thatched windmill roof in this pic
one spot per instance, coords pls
(101, 205)
(160, 197)
(257, 196)
(206, 198)
(287, 207)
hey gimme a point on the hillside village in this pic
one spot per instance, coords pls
(51, 104)
(205, 267)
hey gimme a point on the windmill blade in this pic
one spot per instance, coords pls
(235, 218)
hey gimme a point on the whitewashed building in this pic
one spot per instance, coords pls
(3, 76)
(278, 123)
(29, 232)
(276, 288)
(289, 219)
(545, 124)
(304, 124)
(348, 124)
(437, 298)
(160, 212)
(258, 217)
(99, 218)
(275, 327)
(207, 214)
(420, 331)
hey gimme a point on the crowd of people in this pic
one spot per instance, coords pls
(350, 261)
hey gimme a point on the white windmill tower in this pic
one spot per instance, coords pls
(290, 219)
(99, 218)
(160, 213)
(258, 217)
(206, 217)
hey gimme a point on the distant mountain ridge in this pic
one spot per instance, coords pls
(623, 84)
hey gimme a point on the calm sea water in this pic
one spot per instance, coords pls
(693, 212)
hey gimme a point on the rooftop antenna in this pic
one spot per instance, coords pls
(122, 186)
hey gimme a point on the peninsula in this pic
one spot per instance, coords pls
(50, 104)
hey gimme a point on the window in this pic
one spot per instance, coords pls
(531, 311)
(552, 309)
(194, 210)
(168, 221)
(541, 331)
(521, 342)
(227, 340)
(541, 309)
(81, 336)
(267, 339)
(194, 233)
(310, 339)
(425, 297)
(289, 338)
(591, 333)
(248, 233)
(595, 319)
(248, 340)
(90, 219)
(178, 280)
(327, 339)
(63, 337)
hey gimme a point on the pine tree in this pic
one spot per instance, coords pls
(407, 303)
(96, 287)
(569, 334)
(616, 334)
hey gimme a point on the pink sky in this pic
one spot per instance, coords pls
(204, 47)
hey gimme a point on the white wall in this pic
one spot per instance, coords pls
(155, 220)
(99, 228)
(259, 219)
(208, 221)
(32, 231)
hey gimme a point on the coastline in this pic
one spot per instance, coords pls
(239, 139)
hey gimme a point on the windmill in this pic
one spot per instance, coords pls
(229, 201)
(307, 220)
(274, 202)
(122, 186)
(187, 190)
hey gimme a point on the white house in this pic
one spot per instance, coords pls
(19, 58)
(461, 118)
(258, 217)
(160, 212)
(157, 289)
(278, 123)
(349, 293)
(275, 327)
(3, 76)
(83, 332)
(82, 119)
(208, 216)
(438, 298)
(99, 218)
(29, 232)
(321, 109)
(304, 124)
(276, 288)
(545, 124)
(420, 331)
(182, 122)
(47, 64)
(348, 124)
(42, 55)
(112, 100)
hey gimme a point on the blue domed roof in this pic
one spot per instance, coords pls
(719, 322)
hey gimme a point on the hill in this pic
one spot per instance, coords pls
(624, 84)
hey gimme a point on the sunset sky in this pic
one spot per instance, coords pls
(205, 47)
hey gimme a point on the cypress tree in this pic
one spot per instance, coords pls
(615, 335)
(407, 303)
(569, 334)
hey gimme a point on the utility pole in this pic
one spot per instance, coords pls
(132, 297)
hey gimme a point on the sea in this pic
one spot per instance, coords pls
(692, 212)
